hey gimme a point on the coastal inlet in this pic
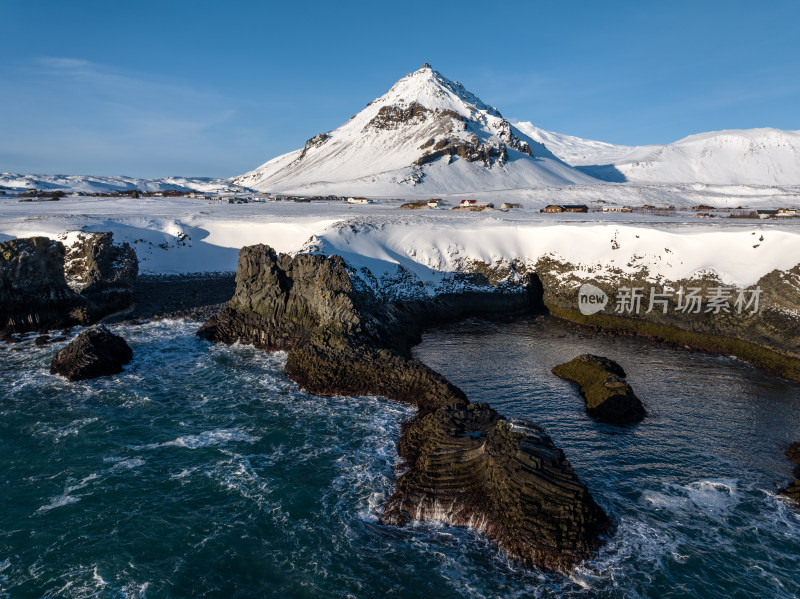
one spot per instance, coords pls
(230, 480)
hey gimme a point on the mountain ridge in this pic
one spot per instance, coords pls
(761, 156)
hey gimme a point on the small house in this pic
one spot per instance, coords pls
(787, 212)
(767, 213)
(553, 209)
(434, 204)
(575, 208)
(469, 202)
(358, 201)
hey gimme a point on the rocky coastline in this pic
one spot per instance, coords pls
(765, 333)
(464, 463)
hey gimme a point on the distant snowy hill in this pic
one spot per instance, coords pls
(576, 150)
(99, 184)
(427, 135)
(733, 157)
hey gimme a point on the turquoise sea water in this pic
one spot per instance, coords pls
(203, 471)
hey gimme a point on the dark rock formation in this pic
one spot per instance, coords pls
(466, 464)
(609, 398)
(793, 490)
(94, 352)
(45, 286)
(102, 272)
(469, 466)
(34, 294)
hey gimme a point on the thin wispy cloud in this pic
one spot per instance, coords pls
(68, 106)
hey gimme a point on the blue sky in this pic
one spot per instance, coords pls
(214, 89)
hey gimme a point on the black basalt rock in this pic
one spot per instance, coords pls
(93, 353)
(792, 491)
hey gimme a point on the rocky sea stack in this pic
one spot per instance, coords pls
(464, 463)
(93, 353)
(609, 398)
(45, 285)
(793, 490)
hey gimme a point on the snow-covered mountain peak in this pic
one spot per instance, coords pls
(431, 89)
(426, 133)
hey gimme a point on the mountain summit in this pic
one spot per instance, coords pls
(426, 135)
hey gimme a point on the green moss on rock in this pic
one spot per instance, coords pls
(782, 364)
(609, 398)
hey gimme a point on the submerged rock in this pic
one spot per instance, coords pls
(93, 353)
(793, 490)
(464, 463)
(44, 286)
(608, 396)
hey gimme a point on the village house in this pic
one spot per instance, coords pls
(576, 208)
(358, 201)
(766, 213)
(469, 203)
(556, 208)
(434, 204)
(787, 212)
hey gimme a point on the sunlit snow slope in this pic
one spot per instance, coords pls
(734, 157)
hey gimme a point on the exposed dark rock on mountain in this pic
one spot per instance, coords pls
(793, 490)
(608, 396)
(466, 464)
(45, 286)
(93, 353)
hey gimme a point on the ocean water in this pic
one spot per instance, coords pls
(202, 471)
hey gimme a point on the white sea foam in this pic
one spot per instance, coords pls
(204, 439)
(120, 464)
(59, 501)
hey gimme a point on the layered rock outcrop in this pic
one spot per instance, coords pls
(44, 285)
(464, 462)
(608, 396)
(95, 352)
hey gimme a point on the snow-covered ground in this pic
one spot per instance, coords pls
(175, 235)
(109, 184)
